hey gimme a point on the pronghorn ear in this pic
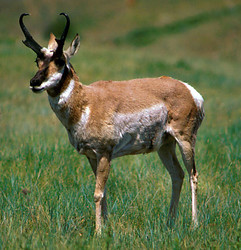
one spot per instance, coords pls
(74, 47)
(52, 46)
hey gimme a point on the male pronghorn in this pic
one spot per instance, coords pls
(109, 119)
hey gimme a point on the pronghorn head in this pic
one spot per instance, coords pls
(53, 62)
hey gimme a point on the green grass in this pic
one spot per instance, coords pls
(46, 188)
(146, 35)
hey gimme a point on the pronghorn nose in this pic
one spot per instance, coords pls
(35, 82)
(39, 77)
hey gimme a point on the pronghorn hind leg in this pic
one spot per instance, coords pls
(187, 150)
(101, 169)
(168, 156)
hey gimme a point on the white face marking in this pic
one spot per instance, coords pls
(51, 81)
(198, 99)
(47, 52)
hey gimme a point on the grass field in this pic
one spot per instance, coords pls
(46, 188)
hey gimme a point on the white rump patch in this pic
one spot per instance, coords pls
(198, 99)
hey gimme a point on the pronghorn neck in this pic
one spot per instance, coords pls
(63, 98)
(67, 76)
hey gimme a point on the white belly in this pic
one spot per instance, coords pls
(140, 132)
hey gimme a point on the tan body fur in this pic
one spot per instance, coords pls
(109, 119)
(106, 99)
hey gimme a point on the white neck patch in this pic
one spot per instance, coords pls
(64, 96)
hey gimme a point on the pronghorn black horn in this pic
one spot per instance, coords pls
(66, 29)
(64, 35)
(29, 42)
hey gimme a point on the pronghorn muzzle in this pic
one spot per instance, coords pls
(38, 79)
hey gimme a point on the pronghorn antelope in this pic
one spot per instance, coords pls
(109, 119)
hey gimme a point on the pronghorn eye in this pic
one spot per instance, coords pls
(59, 62)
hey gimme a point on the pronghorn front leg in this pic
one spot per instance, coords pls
(101, 171)
(104, 211)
